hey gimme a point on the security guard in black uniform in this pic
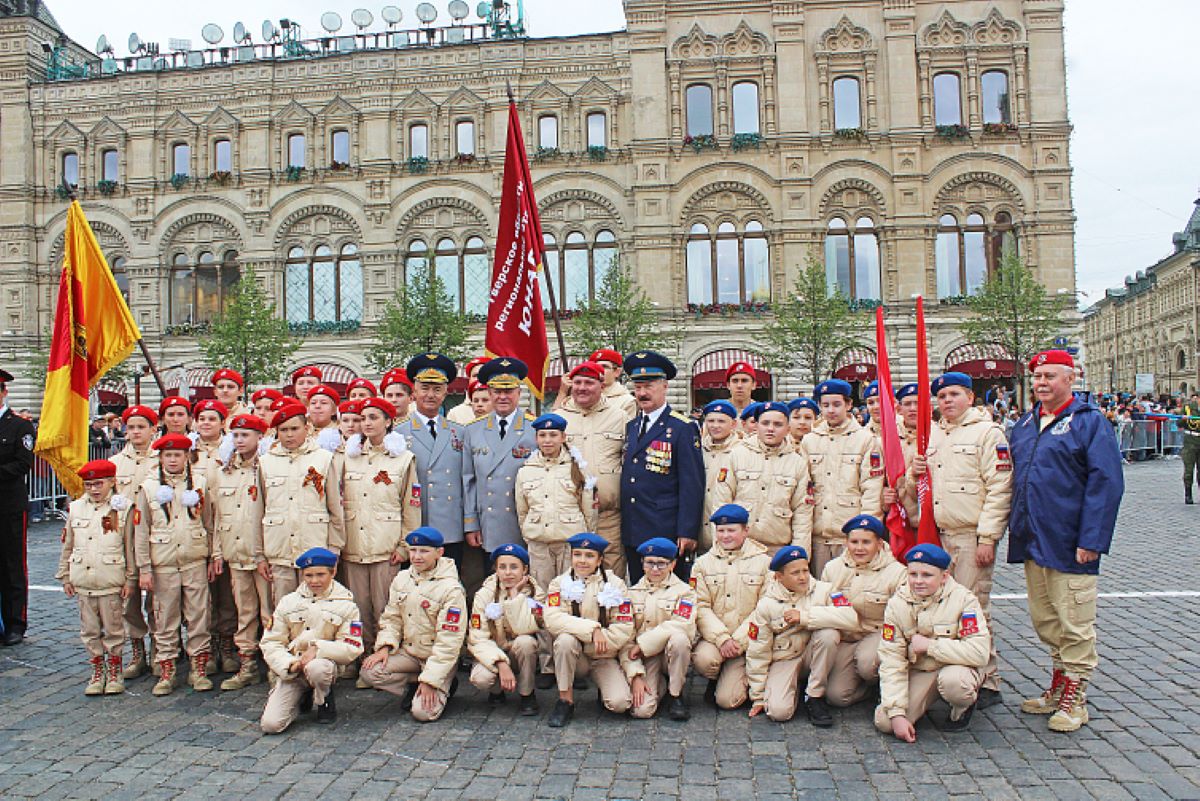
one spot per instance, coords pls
(1190, 424)
(662, 472)
(16, 457)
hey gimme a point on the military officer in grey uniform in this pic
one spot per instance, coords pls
(497, 445)
(438, 446)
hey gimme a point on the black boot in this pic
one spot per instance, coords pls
(327, 712)
(710, 693)
(544, 681)
(961, 723)
(818, 712)
(1187, 495)
(306, 702)
(677, 708)
(529, 706)
(988, 697)
(580, 683)
(496, 698)
(561, 715)
(411, 693)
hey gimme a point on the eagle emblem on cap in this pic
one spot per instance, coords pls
(430, 356)
(641, 355)
(505, 362)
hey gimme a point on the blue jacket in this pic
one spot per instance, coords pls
(1067, 488)
(662, 480)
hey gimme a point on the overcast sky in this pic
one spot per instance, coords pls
(1131, 83)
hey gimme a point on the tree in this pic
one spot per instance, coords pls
(248, 335)
(420, 318)
(1015, 311)
(811, 325)
(620, 317)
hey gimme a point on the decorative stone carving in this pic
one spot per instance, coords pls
(314, 221)
(696, 45)
(946, 32)
(846, 37)
(995, 29)
(727, 196)
(853, 194)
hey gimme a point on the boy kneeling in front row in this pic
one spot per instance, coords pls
(314, 630)
(934, 642)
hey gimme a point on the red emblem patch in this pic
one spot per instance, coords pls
(625, 609)
(252, 491)
(888, 632)
(356, 629)
(453, 614)
(684, 609)
(692, 582)
(753, 631)
(137, 516)
(839, 599)
(968, 625)
(724, 471)
(554, 599)
(476, 622)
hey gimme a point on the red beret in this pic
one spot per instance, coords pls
(310, 371)
(361, 383)
(173, 442)
(140, 411)
(211, 406)
(475, 364)
(1051, 357)
(327, 391)
(97, 468)
(280, 402)
(350, 407)
(590, 368)
(228, 375)
(382, 405)
(174, 400)
(249, 421)
(288, 410)
(740, 367)
(273, 394)
(395, 376)
(473, 385)
(606, 355)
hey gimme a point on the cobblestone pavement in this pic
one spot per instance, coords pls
(1143, 741)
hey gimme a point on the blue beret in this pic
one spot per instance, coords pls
(950, 380)
(511, 549)
(316, 557)
(774, 406)
(730, 513)
(752, 410)
(929, 555)
(721, 407)
(428, 536)
(786, 555)
(804, 403)
(868, 523)
(588, 541)
(834, 386)
(647, 365)
(550, 422)
(906, 391)
(658, 546)
(871, 391)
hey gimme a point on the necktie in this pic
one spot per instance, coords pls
(503, 427)
(433, 428)
(645, 424)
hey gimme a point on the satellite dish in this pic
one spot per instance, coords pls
(426, 12)
(459, 10)
(361, 18)
(135, 44)
(268, 30)
(484, 9)
(212, 33)
(331, 21)
(391, 15)
(102, 45)
(240, 34)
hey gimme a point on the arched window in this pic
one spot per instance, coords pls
(110, 165)
(728, 265)
(296, 144)
(551, 267)
(199, 287)
(222, 156)
(464, 136)
(339, 149)
(445, 267)
(323, 286)
(117, 265)
(949, 260)
(477, 277)
(548, 132)
(699, 110)
(847, 108)
(1003, 240)
(418, 141)
(181, 159)
(604, 259)
(961, 255)
(70, 169)
(575, 286)
(745, 108)
(996, 108)
(947, 99)
(975, 253)
(577, 266)
(597, 129)
(852, 259)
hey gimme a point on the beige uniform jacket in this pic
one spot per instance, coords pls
(716, 468)
(489, 637)
(599, 434)
(237, 500)
(552, 502)
(581, 619)
(659, 612)
(772, 485)
(205, 458)
(971, 473)
(381, 500)
(840, 470)
(171, 537)
(621, 398)
(302, 493)
(97, 548)
(869, 588)
(132, 469)
(954, 620)
(773, 639)
(329, 621)
(463, 414)
(425, 617)
(729, 585)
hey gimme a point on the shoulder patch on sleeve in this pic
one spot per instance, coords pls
(554, 599)
(753, 631)
(888, 632)
(839, 599)
(968, 624)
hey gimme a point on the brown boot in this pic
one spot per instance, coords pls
(115, 685)
(246, 676)
(166, 677)
(96, 684)
(229, 658)
(198, 677)
(1047, 702)
(1072, 706)
(137, 662)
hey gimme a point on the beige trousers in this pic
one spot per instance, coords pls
(283, 704)
(181, 596)
(522, 653)
(1063, 609)
(102, 623)
(958, 684)
(855, 667)
(822, 554)
(548, 560)
(284, 580)
(733, 686)
(783, 677)
(394, 676)
(606, 672)
(369, 584)
(673, 663)
(139, 614)
(961, 547)
(252, 599)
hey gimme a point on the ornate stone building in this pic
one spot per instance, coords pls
(1149, 325)
(710, 146)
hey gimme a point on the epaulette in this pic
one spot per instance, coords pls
(680, 416)
(530, 416)
(477, 419)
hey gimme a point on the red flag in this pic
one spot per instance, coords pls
(515, 325)
(896, 519)
(927, 533)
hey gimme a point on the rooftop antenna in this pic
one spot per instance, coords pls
(391, 15)
(331, 21)
(269, 32)
(135, 44)
(427, 13)
(458, 11)
(212, 33)
(362, 19)
(103, 46)
(240, 34)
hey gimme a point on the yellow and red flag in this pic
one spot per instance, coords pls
(515, 324)
(93, 331)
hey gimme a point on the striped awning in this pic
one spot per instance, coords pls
(855, 364)
(708, 372)
(984, 360)
(332, 375)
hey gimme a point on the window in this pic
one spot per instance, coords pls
(745, 108)
(578, 266)
(445, 267)
(418, 141)
(995, 97)
(181, 159)
(597, 129)
(200, 286)
(728, 266)
(1003, 240)
(574, 287)
(339, 148)
(477, 277)
(296, 147)
(550, 267)
(852, 259)
(847, 110)
(947, 99)
(70, 169)
(699, 110)
(323, 286)
(604, 258)
(117, 265)
(548, 132)
(110, 165)
(464, 132)
(416, 260)
(961, 256)
(223, 155)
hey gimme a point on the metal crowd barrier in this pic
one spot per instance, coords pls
(47, 497)
(1149, 439)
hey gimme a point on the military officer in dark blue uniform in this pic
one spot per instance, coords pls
(662, 474)
(16, 457)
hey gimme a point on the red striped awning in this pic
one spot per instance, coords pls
(855, 364)
(332, 375)
(986, 360)
(708, 372)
